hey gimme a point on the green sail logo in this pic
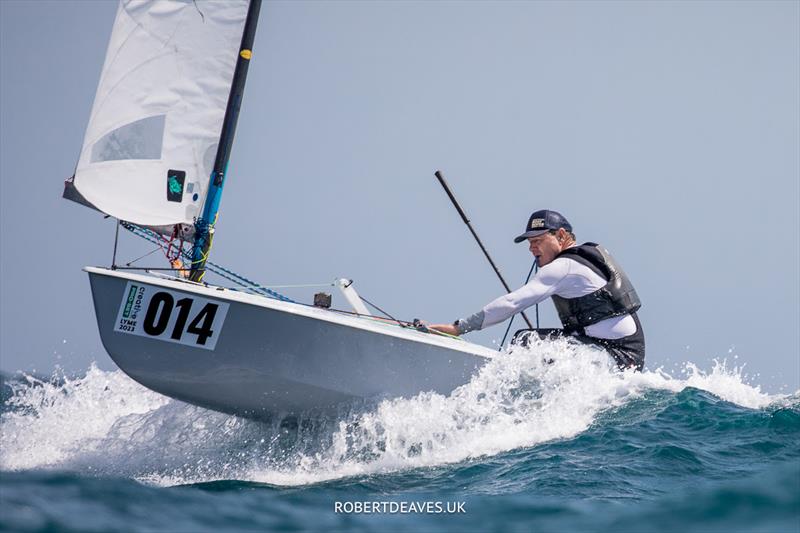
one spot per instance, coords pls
(175, 182)
(175, 186)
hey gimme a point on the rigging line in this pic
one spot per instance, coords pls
(116, 240)
(384, 312)
(248, 289)
(148, 269)
(202, 17)
(252, 290)
(248, 284)
(443, 334)
(402, 323)
(154, 238)
(356, 314)
(251, 283)
(301, 286)
(533, 269)
(142, 257)
(223, 272)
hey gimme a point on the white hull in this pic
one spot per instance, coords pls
(254, 356)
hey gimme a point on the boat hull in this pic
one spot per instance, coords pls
(262, 357)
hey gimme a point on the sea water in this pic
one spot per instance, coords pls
(547, 438)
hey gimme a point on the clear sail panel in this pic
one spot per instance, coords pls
(155, 124)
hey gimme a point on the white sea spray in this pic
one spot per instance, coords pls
(52, 421)
(106, 424)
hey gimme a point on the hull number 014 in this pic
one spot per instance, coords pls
(170, 316)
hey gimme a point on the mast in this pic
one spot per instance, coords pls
(204, 226)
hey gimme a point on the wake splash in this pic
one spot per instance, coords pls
(105, 424)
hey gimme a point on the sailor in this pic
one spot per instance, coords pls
(595, 300)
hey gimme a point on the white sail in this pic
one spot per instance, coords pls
(152, 137)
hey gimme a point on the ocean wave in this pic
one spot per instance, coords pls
(105, 424)
(766, 501)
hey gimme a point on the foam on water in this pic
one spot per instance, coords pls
(49, 421)
(107, 424)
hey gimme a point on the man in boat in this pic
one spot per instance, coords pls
(595, 300)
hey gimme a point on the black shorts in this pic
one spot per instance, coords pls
(628, 351)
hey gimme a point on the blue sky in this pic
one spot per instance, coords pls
(668, 131)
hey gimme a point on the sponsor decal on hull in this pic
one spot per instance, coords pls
(170, 316)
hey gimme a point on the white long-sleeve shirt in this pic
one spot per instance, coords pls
(561, 277)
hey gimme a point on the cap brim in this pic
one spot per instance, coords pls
(529, 234)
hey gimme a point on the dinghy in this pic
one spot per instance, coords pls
(154, 157)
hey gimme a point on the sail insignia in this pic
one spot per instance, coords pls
(157, 117)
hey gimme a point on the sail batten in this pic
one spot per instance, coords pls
(149, 148)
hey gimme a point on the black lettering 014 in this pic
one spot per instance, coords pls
(158, 313)
(160, 310)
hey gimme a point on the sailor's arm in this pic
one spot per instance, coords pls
(462, 325)
(542, 286)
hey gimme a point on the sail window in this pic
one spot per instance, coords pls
(138, 140)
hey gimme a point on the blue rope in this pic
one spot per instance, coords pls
(221, 271)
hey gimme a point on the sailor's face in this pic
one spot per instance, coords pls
(544, 248)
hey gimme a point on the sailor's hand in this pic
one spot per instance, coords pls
(449, 329)
(419, 325)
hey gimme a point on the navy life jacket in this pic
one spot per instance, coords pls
(616, 298)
